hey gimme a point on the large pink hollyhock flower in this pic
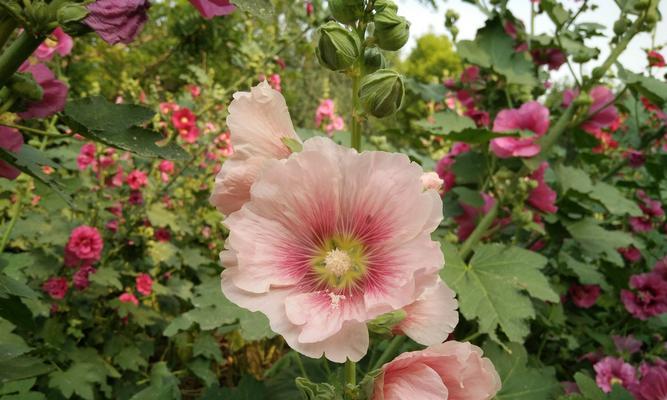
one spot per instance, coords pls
(10, 140)
(55, 92)
(117, 21)
(653, 385)
(530, 116)
(467, 221)
(144, 284)
(451, 370)
(213, 8)
(85, 243)
(58, 42)
(602, 112)
(258, 121)
(329, 240)
(542, 197)
(610, 371)
(431, 318)
(649, 298)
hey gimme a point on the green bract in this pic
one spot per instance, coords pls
(373, 60)
(382, 92)
(346, 11)
(338, 48)
(391, 30)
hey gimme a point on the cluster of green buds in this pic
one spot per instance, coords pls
(344, 46)
(451, 17)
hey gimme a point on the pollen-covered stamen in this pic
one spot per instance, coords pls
(338, 262)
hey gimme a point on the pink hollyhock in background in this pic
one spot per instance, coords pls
(162, 235)
(660, 269)
(55, 92)
(275, 81)
(470, 74)
(584, 296)
(168, 108)
(635, 158)
(258, 121)
(57, 42)
(431, 318)
(309, 8)
(85, 245)
(144, 284)
(602, 112)
(189, 135)
(80, 277)
(213, 8)
(10, 140)
(86, 156)
(552, 57)
(166, 168)
(542, 197)
(444, 166)
(330, 262)
(467, 221)
(650, 207)
(631, 254)
(128, 298)
(117, 21)
(326, 118)
(610, 371)
(649, 297)
(531, 116)
(627, 344)
(431, 180)
(183, 118)
(451, 370)
(655, 59)
(136, 198)
(56, 287)
(195, 91)
(640, 224)
(652, 386)
(136, 179)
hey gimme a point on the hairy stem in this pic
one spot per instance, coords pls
(351, 372)
(479, 231)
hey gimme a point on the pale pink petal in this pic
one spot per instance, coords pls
(432, 317)
(233, 182)
(417, 381)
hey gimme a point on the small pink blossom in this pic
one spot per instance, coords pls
(631, 254)
(136, 179)
(85, 244)
(144, 284)
(80, 277)
(649, 297)
(128, 298)
(57, 42)
(627, 344)
(650, 207)
(309, 8)
(10, 140)
(86, 156)
(112, 225)
(275, 82)
(168, 108)
(584, 296)
(610, 371)
(166, 168)
(470, 74)
(451, 370)
(162, 235)
(189, 135)
(56, 287)
(444, 167)
(195, 91)
(655, 59)
(602, 112)
(325, 111)
(640, 224)
(542, 197)
(183, 118)
(136, 198)
(635, 158)
(552, 57)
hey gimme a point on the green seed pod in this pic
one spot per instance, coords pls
(382, 92)
(641, 5)
(391, 31)
(71, 13)
(338, 48)
(584, 99)
(381, 5)
(373, 60)
(24, 86)
(620, 26)
(346, 11)
(597, 73)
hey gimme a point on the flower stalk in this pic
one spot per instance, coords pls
(19, 51)
(479, 231)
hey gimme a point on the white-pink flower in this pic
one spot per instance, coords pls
(258, 121)
(329, 240)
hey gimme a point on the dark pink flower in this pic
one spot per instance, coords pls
(568, 96)
(166, 168)
(136, 179)
(655, 59)
(610, 371)
(467, 221)
(117, 21)
(112, 225)
(626, 344)
(531, 116)
(86, 156)
(275, 82)
(470, 74)
(136, 198)
(653, 385)
(213, 8)
(55, 92)
(507, 147)
(144, 284)
(660, 268)
(10, 140)
(649, 297)
(542, 197)
(56, 287)
(128, 298)
(631, 254)
(553, 57)
(85, 244)
(183, 118)
(57, 42)
(635, 158)
(443, 167)
(584, 296)
(309, 8)
(189, 135)
(602, 112)
(650, 207)
(162, 235)
(80, 277)
(195, 91)
(640, 224)
(480, 117)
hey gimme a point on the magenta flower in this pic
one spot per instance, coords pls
(655, 59)
(167, 108)
(55, 92)
(649, 297)
(162, 235)
(451, 370)
(183, 118)
(507, 147)
(653, 385)
(650, 207)
(530, 116)
(80, 277)
(602, 112)
(443, 167)
(144, 284)
(640, 224)
(542, 197)
(552, 57)
(258, 121)
(189, 135)
(213, 8)
(84, 245)
(117, 21)
(128, 298)
(329, 240)
(660, 269)
(136, 179)
(467, 221)
(584, 296)
(10, 140)
(86, 156)
(470, 74)
(635, 158)
(631, 254)
(57, 42)
(166, 168)
(56, 287)
(275, 82)
(627, 344)
(136, 198)
(610, 371)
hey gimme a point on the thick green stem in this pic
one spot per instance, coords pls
(356, 124)
(554, 133)
(479, 231)
(15, 212)
(389, 352)
(7, 27)
(19, 51)
(351, 372)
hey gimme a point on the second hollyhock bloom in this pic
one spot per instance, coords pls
(57, 42)
(602, 112)
(213, 8)
(649, 297)
(54, 92)
(610, 371)
(329, 240)
(542, 197)
(531, 116)
(451, 370)
(85, 244)
(117, 21)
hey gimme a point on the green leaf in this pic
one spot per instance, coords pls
(445, 122)
(130, 358)
(599, 242)
(573, 179)
(79, 379)
(587, 273)
(205, 345)
(653, 89)
(519, 381)
(477, 135)
(11, 345)
(9, 286)
(116, 125)
(107, 277)
(613, 200)
(248, 389)
(163, 385)
(558, 14)
(316, 391)
(202, 369)
(495, 288)
(469, 196)
(493, 48)
(588, 387)
(258, 8)
(467, 167)
(22, 367)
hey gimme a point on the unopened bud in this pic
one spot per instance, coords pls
(381, 5)
(338, 48)
(346, 11)
(373, 60)
(391, 31)
(382, 92)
